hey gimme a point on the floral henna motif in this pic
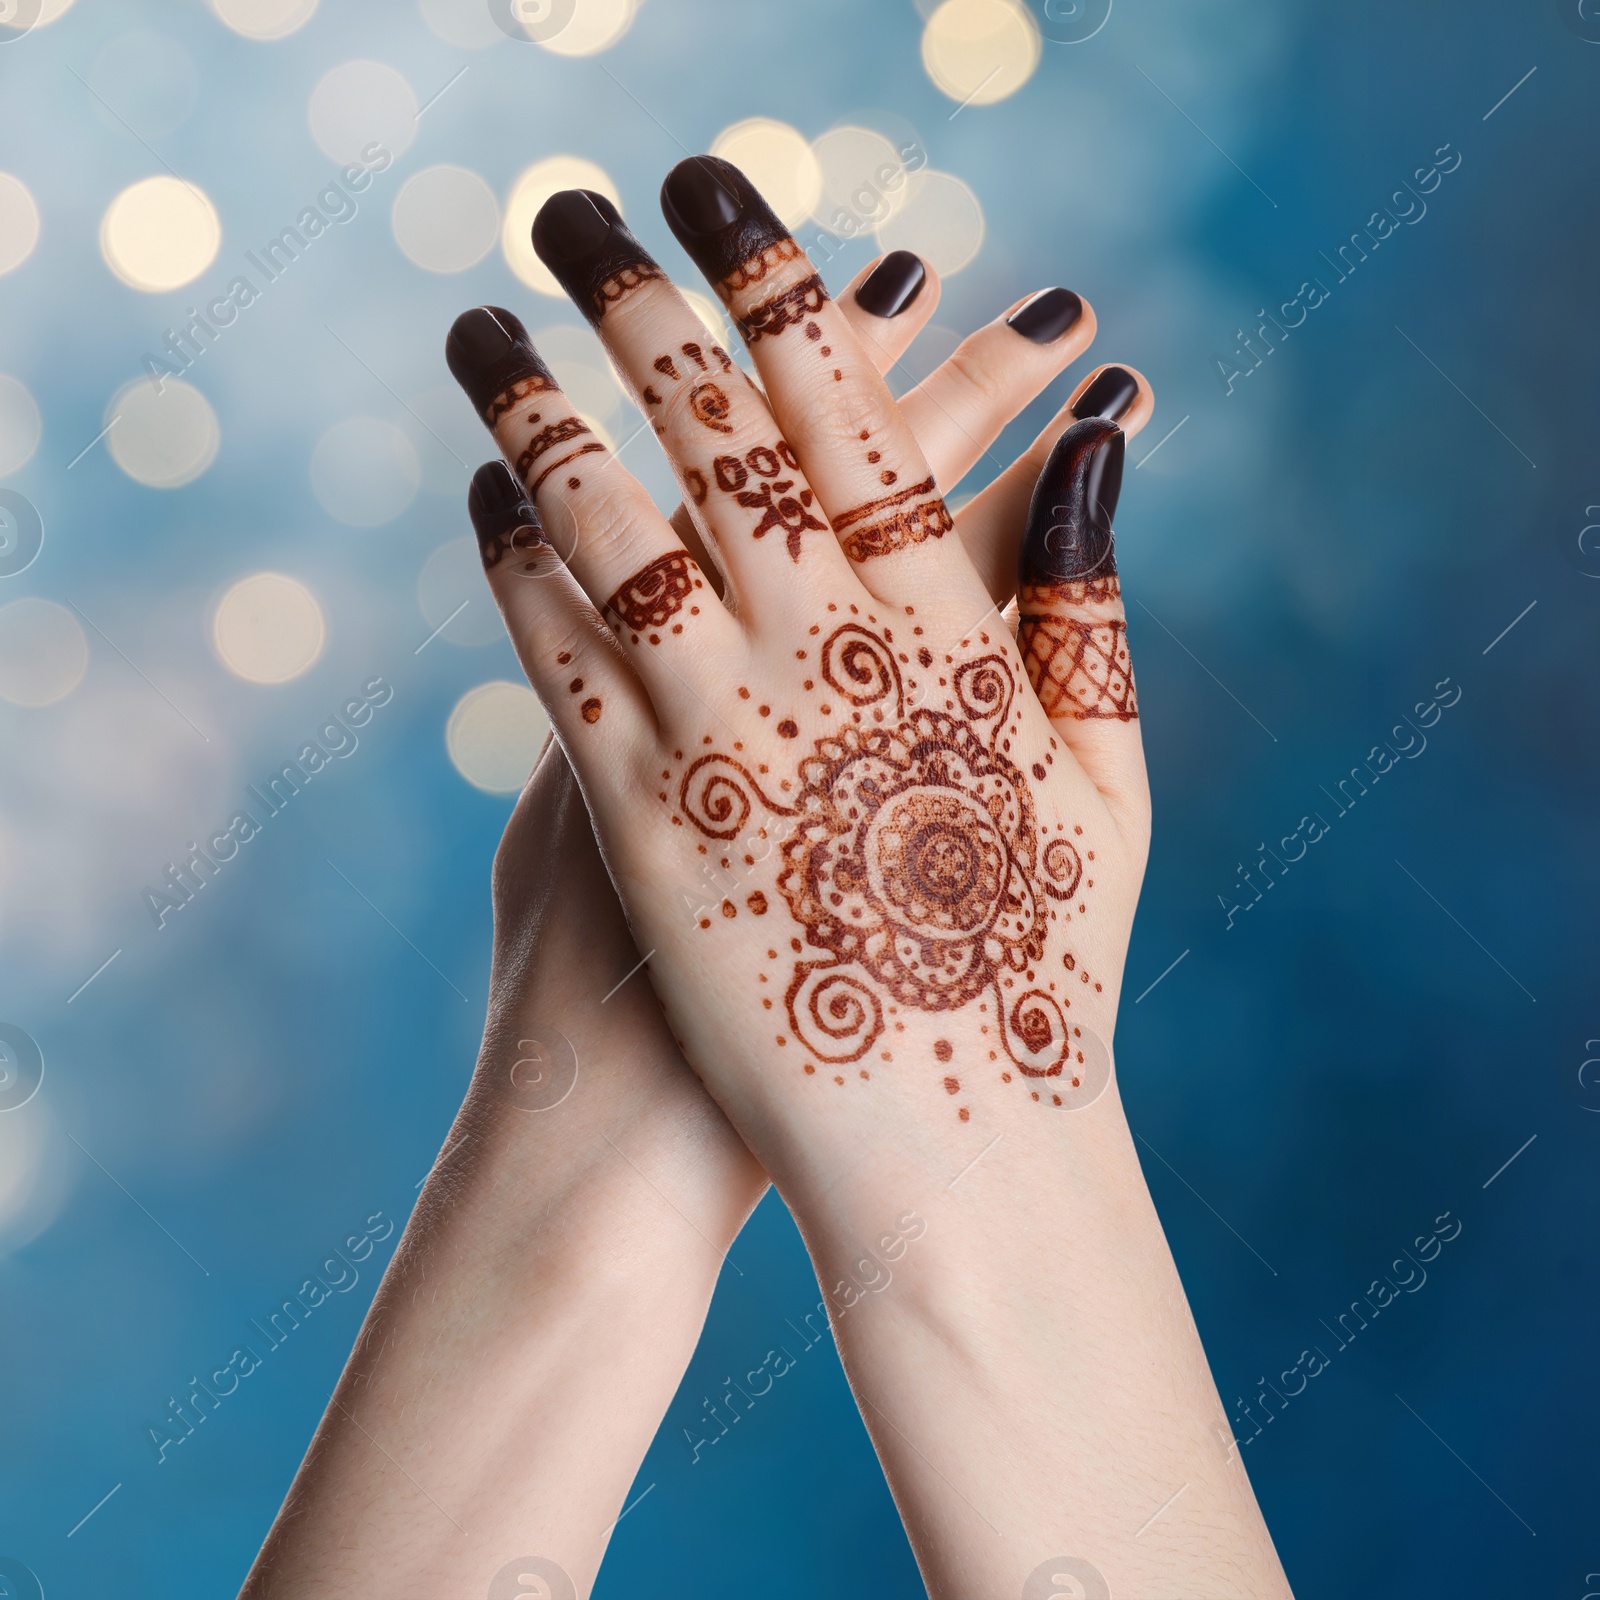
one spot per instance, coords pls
(896, 520)
(912, 858)
(653, 596)
(770, 493)
(1078, 665)
(794, 306)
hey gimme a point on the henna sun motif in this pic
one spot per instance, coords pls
(914, 862)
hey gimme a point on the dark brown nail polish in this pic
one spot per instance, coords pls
(1068, 537)
(718, 216)
(500, 509)
(489, 354)
(581, 237)
(1047, 315)
(1109, 396)
(892, 285)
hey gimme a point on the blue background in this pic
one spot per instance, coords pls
(1310, 555)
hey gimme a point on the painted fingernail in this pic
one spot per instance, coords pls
(1109, 396)
(719, 217)
(581, 237)
(499, 507)
(1068, 537)
(490, 355)
(892, 285)
(1047, 315)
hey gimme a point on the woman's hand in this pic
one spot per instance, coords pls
(724, 746)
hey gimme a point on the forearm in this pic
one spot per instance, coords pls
(1075, 1414)
(549, 1290)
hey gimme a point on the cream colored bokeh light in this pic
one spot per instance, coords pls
(596, 25)
(50, 10)
(494, 735)
(19, 223)
(19, 425)
(863, 179)
(268, 628)
(358, 104)
(160, 234)
(536, 184)
(43, 653)
(264, 19)
(980, 51)
(445, 219)
(778, 160)
(163, 438)
(940, 220)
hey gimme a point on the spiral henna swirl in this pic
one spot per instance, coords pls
(1035, 1034)
(716, 797)
(834, 1011)
(985, 687)
(861, 667)
(1063, 869)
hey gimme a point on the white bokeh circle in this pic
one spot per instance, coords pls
(940, 219)
(778, 160)
(365, 472)
(495, 734)
(20, 426)
(19, 223)
(160, 234)
(980, 51)
(43, 652)
(358, 104)
(163, 437)
(268, 628)
(445, 219)
(264, 19)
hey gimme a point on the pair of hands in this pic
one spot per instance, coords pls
(877, 839)
(833, 980)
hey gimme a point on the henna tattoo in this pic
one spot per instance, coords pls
(793, 306)
(1078, 665)
(913, 859)
(581, 237)
(720, 218)
(551, 438)
(503, 518)
(1068, 536)
(491, 356)
(906, 517)
(653, 596)
(771, 494)
(710, 406)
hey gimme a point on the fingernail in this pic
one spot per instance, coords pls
(489, 354)
(581, 237)
(1068, 537)
(1048, 315)
(718, 216)
(499, 506)
(892, 285)
(1109, 396)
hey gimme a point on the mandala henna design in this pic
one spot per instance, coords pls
(906, 517)
(653, 596)
(709, 406)
(912, 859)
(771, 494)
(1078, 665)
(786, 310)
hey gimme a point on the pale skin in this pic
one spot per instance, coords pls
(505, 1385)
